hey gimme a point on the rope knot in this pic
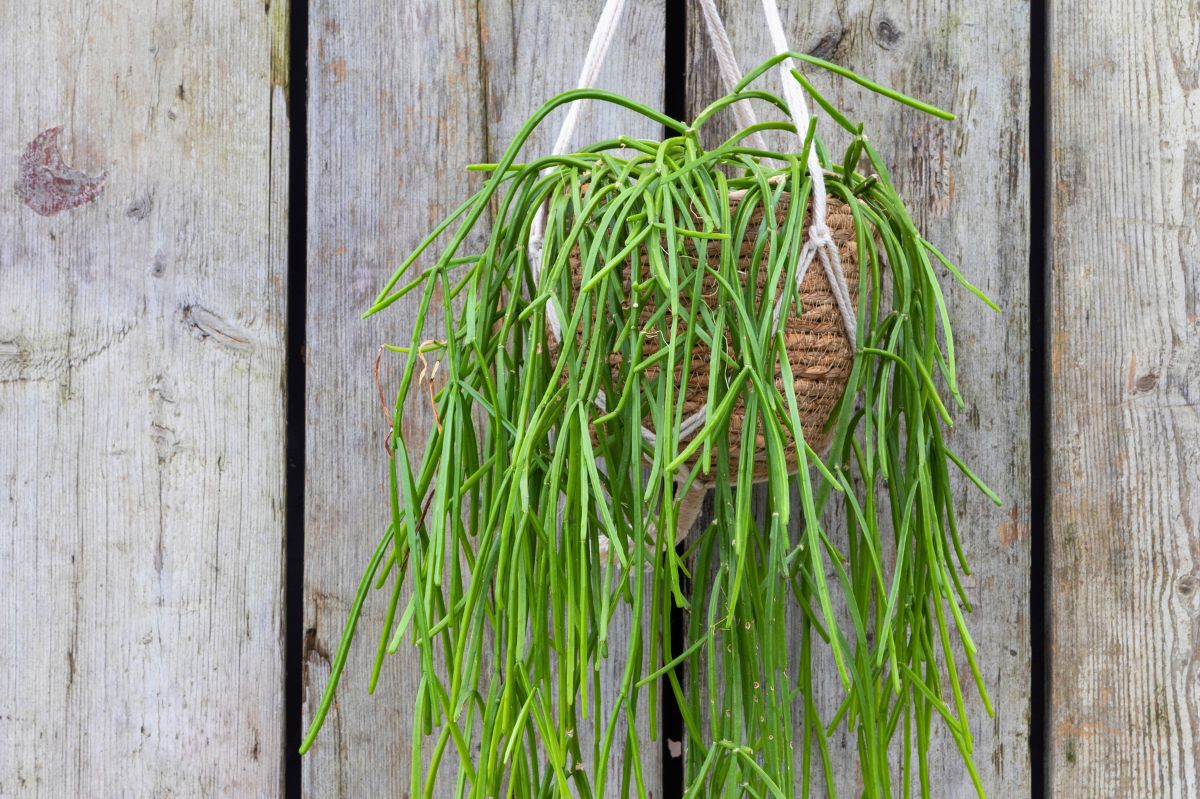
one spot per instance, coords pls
(820, 235)
(534, 252)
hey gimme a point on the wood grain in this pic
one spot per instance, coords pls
(141, 404)
(391, 129)
(967, 184)
(1125, 374)
(534, 50)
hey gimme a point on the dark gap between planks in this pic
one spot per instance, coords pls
(1039, 115)
(675, 106)
(1039, 399)
(674, 103)
(294, 396)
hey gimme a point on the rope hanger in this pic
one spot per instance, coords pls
(820, 244)
(820, 241)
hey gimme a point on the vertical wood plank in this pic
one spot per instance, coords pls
(534, 51)
(967, 185)
(141, 406)
(394, 115)
(402, 98)
(1125, 374)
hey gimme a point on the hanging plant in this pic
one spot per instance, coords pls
(646, 322)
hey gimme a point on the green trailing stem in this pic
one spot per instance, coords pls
(492, 565)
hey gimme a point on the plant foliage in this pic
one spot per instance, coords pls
(493, 558)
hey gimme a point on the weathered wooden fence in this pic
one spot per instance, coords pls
(145, 280)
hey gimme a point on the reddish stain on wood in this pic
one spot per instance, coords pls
(1013, 530)
(47, 185)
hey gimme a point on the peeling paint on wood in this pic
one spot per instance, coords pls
(47, 185)
(141, 457)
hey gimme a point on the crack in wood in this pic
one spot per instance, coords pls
(22, 361)
(208, 325)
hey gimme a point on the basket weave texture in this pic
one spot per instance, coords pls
(818, 348)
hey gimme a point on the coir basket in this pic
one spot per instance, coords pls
(819, 349)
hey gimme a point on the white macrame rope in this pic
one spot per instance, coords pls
(727, 65)
(606, 29)
(818, 231)
(820, 242)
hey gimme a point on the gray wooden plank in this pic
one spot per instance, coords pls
(540, 58)
(967, 184)
(141, 405)
(401, 99)
(393, 116)
(1125, 367)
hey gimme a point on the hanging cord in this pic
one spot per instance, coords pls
(820, 239)
(727, 65)
(606, 29)
(820, 244)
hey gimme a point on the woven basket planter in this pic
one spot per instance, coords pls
(819, 351)
(512, 537)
